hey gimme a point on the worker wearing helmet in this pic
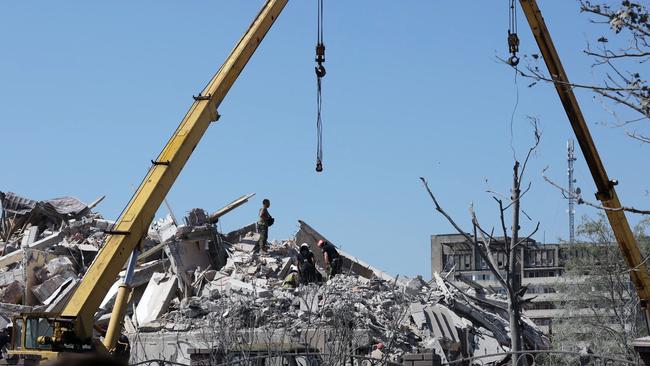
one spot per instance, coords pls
(292, 280)
(307, 265)
(332, 258)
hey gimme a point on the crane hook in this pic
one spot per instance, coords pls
(513, 45)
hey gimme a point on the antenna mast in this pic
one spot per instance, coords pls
(572, 192)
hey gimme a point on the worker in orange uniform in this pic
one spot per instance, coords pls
(263, 224)
(332, 258)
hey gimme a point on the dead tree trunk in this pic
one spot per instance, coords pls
(514, 271)
(510, 278)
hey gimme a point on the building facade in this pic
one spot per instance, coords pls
(541, 271)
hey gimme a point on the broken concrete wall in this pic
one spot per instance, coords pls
(186, 257)
(350, 264)
(34, 262)
(155, 300)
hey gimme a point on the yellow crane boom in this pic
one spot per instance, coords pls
(606, 193)
(75, 324)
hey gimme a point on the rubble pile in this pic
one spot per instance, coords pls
(247, 301)
(197, 288)
(45, 248)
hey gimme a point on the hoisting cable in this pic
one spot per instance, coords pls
(320, 73)
(513, 38)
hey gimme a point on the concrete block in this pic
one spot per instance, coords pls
(58, 265)
(47, 288)
(248, 289)
(310, 302)
(421, 359)
(29, 237)
(285, 267)
(210, 291)
(141, 276)
(417, 314)
(58, 291)
(155, 300)
(12, 294)
(185, 257)
(59, 299)
(17, 256)
(167, 230)
(244, 247)
(10, 276)
(34, 262)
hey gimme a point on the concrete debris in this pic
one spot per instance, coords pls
(12, 294)
(45, 246)
(156, 297)
(57, 266)
(196, 288)
(51, 285)
(247, 296)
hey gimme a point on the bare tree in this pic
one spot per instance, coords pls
(618, 57)
(487, 243)
(582, 201)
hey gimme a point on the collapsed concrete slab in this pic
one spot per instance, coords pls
(141, 276)
(350, 264)
(185, 257)
(12, 275)
(17, 256)
(52, 285)
(156, 297)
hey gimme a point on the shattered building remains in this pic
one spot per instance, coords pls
(200, 294)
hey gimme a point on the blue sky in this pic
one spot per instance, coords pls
(91, 91)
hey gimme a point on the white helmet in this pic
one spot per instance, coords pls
(304, 245)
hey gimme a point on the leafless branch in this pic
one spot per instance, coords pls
(487, 257)
(582, 201)
(524, 240)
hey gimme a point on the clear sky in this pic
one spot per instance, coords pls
(91, 91)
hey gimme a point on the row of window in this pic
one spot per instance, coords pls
(532, 258)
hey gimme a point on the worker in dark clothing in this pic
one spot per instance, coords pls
(307, 265)
(5, 341)
(332, 258)
(265, 220)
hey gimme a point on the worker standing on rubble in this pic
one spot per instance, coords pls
(263, 224)
(307, 265)
(332, 258)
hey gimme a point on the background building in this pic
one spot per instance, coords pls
(541, 271)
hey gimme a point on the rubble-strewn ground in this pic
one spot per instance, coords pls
(197, 288)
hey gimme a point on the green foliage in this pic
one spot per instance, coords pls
(599, 301)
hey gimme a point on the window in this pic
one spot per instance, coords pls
(34, 328)
(18, 334)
